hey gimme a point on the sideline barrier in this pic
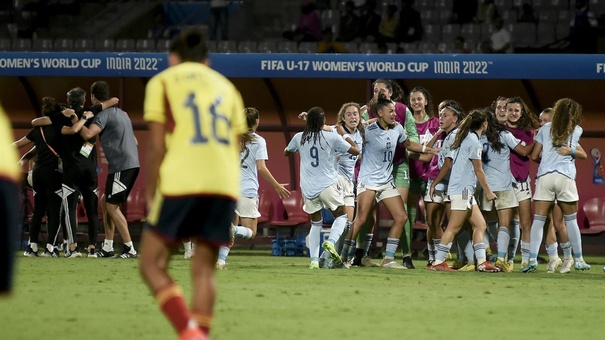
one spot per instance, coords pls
(285, 65)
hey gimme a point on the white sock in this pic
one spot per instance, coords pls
(314, 240)
(50, 247)
(575, 238)
(243, 232)
(187, 245)
(34, 247)
(551, 250)
(108, 245)
(223, 252)
(131, 246)
(338, 228)
(536, 235)
(503, 241)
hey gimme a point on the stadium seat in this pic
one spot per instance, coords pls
(145, 45)
(104, 45)
(524, 34)
(307, 47)
(597, 6)
(547, 16)
(287, 47)
(226, 46)
(470, 32)
(508, 16)
(564, 17)
(5, 44)
(125, 45)
(368, 48)
(562, 31)
(352, 47)
(162, 45)
(22, 45)
(212, 46)
(444, 5)
(42, 45)
(247, 46)
(63, 45)
(83, 45)
(444, 47)
(267, 46)
(427, 47)
(294, 215)
(421, 5)
(136, 207)
(503, 4)
(432, 33)
(445, 16)
(265, 206)
(429, 17)
(546, 34)
(594, 210)
(449, 32)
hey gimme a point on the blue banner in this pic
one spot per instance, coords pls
(364, 66)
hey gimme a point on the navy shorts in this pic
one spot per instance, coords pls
(206, 218)
(9, 220)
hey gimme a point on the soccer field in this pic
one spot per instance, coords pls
(265, 297)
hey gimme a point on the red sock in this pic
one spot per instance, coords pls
(203, 321)
(170, 299)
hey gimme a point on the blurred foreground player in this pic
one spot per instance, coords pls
(195, 118)
(9, 206)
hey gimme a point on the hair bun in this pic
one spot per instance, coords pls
(193, 40)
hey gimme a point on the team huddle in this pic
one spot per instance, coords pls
(471, 168)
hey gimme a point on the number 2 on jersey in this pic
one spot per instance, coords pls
(200, 136)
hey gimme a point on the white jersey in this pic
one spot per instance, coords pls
(463, 174)
(496, 165)
(551, 160)
(346, 161)
(254, 151)
(318, 161)
(446, 152)
(378, 151)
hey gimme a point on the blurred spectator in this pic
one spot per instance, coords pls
(388, 25)
(328, 45)
(501, 38)
(583, 33)
(486, 12)
(25, 24)
(369, 21)
(219, 19)
(309, 25)
(383, 48)
(349, 23)
(460, 45)
(410, 23)
(160, 30)
(464, 11)
(527, 14)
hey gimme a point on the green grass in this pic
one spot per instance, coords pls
(264, 297)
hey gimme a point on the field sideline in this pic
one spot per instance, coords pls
(265, 297)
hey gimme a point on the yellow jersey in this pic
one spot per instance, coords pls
(9, 167)
(203, 114)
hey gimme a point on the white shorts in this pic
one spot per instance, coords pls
(382, 192)
(247, 207)
(439, 196)
(462, 201)
(522, 190)
(554, 186)
(346, 187)
(506, 199)
(330, 198)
